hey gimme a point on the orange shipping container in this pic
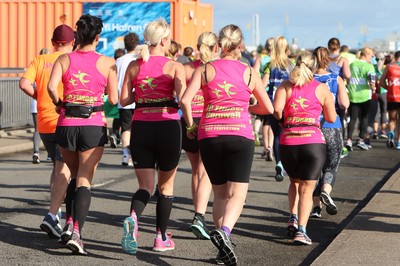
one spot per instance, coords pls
(26, 26)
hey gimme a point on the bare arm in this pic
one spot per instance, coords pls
(280, 99)
(27, 87)
(112, 81)
(346, 68)
(382, 80)
(55, 78)
(179, 80)
(263, 105)
(343, 97)
(188, 95)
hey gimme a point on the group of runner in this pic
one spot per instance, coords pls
(294, 97)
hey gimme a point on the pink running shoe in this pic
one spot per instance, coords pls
(161, 246)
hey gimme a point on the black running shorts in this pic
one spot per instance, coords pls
(81, 138)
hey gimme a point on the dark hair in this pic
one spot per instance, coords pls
(396, 55)
(173, 49)
(118, 53)
(333, 44)
(131, 40)
(188, 51)
(76, 43)
(88, 27)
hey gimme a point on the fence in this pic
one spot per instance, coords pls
(14, 104)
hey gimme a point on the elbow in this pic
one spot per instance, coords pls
(113, 100)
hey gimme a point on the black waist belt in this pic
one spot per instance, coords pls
(93, 108)
(172, 104)
(299, 125)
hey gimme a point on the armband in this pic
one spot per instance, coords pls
(191, 128)
(59, 103)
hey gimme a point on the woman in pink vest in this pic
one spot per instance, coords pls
(156, 130)
(82, 127)
(207, 44)
(298, 104)
(225, 132)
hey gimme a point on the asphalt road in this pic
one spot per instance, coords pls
(259, 235)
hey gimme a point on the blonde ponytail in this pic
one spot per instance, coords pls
(303, 71)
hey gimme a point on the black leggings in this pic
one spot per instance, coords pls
(303, 161)
(358, 111)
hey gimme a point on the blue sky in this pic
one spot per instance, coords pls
(311, 22)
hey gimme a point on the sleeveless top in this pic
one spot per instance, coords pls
(154, 92)
(198, 100)
(393, 77)
(331, 81)
(226, 102)
(335, 68)
(301, 113)
(83, 84)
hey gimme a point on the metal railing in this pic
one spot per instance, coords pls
(14, 104)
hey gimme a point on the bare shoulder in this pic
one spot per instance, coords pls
(109, 61)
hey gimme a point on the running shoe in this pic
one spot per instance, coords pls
(66, 233)
(279, 172)
(349, 145)
(199, 228)
(59, 214)
(398, 145)
(161, 246)
(76, 244)
(390, 140)
(292, 226)
(113, 141)
(52, 228)
(127, 160)
(256, 138)
(263, 155)
(129, 239)
(383, 135)
(35, 158)
(361, 144)
(375, 135)
(301, 238)
(328, 202)
(269, 155)
(316, 212)
(225, 246)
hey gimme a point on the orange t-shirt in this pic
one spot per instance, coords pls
(39, 71)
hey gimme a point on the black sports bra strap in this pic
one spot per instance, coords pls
(205, 72)
(249, 78)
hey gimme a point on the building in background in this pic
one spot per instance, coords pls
(26, 25)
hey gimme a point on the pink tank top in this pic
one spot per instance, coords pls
(302, 112)
(152, 90)
(226, 102)
(198, 100)
(83, 84)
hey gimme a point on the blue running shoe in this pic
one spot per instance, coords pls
(128, 241)
(301, 238)
(279, 172)
(398, 145)
(52, 228)
(390, 140)
(292, 226)
(199, 228)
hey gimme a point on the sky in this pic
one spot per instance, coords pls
(311, 22)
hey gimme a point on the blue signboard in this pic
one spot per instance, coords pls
(120, 18)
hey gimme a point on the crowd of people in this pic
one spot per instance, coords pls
(204, 102)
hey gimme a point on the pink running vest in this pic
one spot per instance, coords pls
(152, 86)
(83, 84)
(301, 113)
(226, 102)
(198, 100)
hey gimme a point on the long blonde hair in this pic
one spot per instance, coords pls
(279, 58)
(153, 33)
(303, 71)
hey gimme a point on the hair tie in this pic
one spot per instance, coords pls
(148, 43)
